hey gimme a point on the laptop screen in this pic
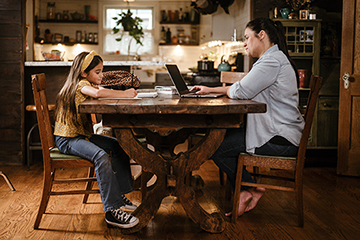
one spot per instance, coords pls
(177, 79)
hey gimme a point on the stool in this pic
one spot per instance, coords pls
(7, 181)
(30, 145)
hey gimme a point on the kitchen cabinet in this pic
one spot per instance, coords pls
(303, 38)
(304, 43)
(218, 27)
(328, 103)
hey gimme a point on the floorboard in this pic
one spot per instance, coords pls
(331, 207)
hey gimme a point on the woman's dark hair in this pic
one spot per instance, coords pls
(276, 33)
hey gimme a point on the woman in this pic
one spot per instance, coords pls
(272, 80)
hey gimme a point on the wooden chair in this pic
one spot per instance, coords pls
(294, 165)
(52, 158)
(231, 77)
(228, 78)
(30, 145)
(7, 180)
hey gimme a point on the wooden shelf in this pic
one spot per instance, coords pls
(68, 43)
(182, 44)
(69, 21)
(179, 22)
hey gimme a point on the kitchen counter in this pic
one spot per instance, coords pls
(106, 63)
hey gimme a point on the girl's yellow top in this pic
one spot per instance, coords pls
(68, 128)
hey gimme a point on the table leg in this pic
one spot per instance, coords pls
(171, 175)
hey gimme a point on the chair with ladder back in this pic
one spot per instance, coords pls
(271, 164)
(52, 158)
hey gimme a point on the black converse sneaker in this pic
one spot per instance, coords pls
(128, 204)
(119, 218)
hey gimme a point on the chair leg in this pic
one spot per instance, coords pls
(48, 179)
(28, 141)
(236, 200)
(144, 180)
(256, 171)
(228, 191)
(222, 177)
(7, 180)
(89, 184)
(299, 203)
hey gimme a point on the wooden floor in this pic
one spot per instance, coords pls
(331, 204)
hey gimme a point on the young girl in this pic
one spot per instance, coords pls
(271, 80)
(73, 136)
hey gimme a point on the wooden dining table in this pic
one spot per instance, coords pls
(166, 121)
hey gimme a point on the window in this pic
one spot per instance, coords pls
(111, 46)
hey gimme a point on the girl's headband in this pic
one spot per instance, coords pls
(88, 59)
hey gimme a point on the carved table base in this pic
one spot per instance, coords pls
(171, 172)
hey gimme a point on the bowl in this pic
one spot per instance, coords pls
(53, 55)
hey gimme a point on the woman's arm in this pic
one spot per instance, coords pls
(205, 90)
(100, 92)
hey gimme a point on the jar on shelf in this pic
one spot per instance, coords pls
(90, 38)
(65, 16)
(174, 39)
(58, 16)
(181, 35)
(187, 39)
(50, 11)
(194, 35)
(78, 36)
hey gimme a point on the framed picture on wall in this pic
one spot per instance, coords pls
(303, 14)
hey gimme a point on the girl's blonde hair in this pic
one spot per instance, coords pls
(66, 97)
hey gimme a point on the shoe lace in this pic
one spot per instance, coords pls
(121, 215)
(126, 200)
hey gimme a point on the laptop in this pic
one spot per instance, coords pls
(180, 84)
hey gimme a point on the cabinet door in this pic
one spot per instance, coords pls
(349, 102)
(327, 121)
(206, 33)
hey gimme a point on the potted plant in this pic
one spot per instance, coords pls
(131, 25)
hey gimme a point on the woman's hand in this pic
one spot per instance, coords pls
(206, 90)
(201, 89)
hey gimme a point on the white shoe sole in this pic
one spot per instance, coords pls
(129, 207)
(129, 225)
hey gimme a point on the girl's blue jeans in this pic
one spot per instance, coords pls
(113, 176)
(226, 156)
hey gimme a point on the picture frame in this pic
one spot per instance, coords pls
(303, 14)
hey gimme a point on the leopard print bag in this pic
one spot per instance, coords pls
(120, 78)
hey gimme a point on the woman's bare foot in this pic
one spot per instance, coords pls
(245, 199)
(256, 195)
